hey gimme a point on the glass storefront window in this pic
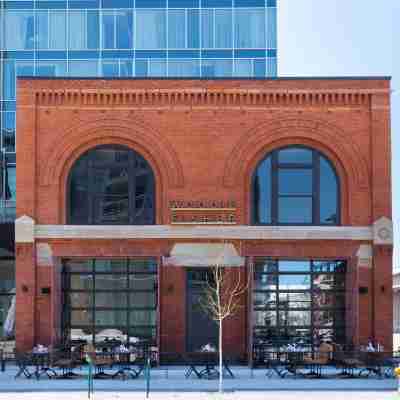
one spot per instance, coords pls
(293, 302)
(119, 295)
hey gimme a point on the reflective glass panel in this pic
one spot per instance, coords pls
(294, 282)
(6, 303)
(265, 282)
(108, 27)
(295, 182)
(19, 30)
(150, 29)
(295, 210)
(295, 155)
(181, 68)
(115, 266)
(329, 266)
(110, 317)
(42, 29)
(124, 29)
(207, 28)
(325, 299)
(8, 131)
(79, 266)
(81, 317)
(294, 266)
(295, 318)
(262, 192)
(193, 28)
(81, 282)
(176, 29)
(57, 30)
(249, 28)
(264, 318)
(110, 282)
(329, 193)
(142, 317)
(143, 300)
(294, 300)
(328, 281)
(223, 28)
(7, 276)
(143, 281)
(264, 300)
(81, 299)
(83, 68)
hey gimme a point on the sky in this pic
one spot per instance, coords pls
(346, 38)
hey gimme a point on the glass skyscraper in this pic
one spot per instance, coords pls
(120, 38)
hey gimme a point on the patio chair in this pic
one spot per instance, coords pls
(100, 361)
(321, 358)
(67, 361)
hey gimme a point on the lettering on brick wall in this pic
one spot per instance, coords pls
(203, 212)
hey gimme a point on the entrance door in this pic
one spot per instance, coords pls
(200, 328)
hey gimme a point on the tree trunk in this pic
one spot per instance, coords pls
(220, 357)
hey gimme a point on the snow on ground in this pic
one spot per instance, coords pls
(171, 385)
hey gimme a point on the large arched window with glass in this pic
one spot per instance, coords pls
(109, 185)
(295, 186)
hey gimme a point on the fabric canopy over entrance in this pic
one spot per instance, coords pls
(204, 255)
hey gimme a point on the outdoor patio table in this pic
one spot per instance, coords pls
(128, 363)
(205, 365)
(24, 361)
(41, 361)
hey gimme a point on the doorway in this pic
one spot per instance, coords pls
(200, 328)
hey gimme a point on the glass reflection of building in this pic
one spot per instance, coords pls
(299, 302)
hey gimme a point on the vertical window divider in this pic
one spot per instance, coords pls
(274, 188)
(93, 300)
(316, 188)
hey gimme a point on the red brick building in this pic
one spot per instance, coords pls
(113, 176)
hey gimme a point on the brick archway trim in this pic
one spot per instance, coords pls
(325, 137)
(149, 143)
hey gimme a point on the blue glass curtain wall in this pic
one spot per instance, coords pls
(130, 38)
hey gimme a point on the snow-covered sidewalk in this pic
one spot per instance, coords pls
(173, 381)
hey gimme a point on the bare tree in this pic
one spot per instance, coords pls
(221, 300)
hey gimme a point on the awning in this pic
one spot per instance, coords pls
(204, 255)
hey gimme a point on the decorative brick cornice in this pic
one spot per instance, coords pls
(200, 97)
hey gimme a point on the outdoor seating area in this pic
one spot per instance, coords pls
(328, 361)
(120, 362)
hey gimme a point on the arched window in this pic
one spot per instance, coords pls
(295, 186)
(111, 185)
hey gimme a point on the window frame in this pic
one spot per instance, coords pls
(125, 273)
(274, 197)
(92, 193)
(312, 308)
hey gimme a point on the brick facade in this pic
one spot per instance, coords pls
(203, 139)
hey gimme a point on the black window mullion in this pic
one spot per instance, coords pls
(274, 189)
(91, 188)
(132, 186)
(316, 189)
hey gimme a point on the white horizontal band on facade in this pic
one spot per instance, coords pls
(362, 233)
